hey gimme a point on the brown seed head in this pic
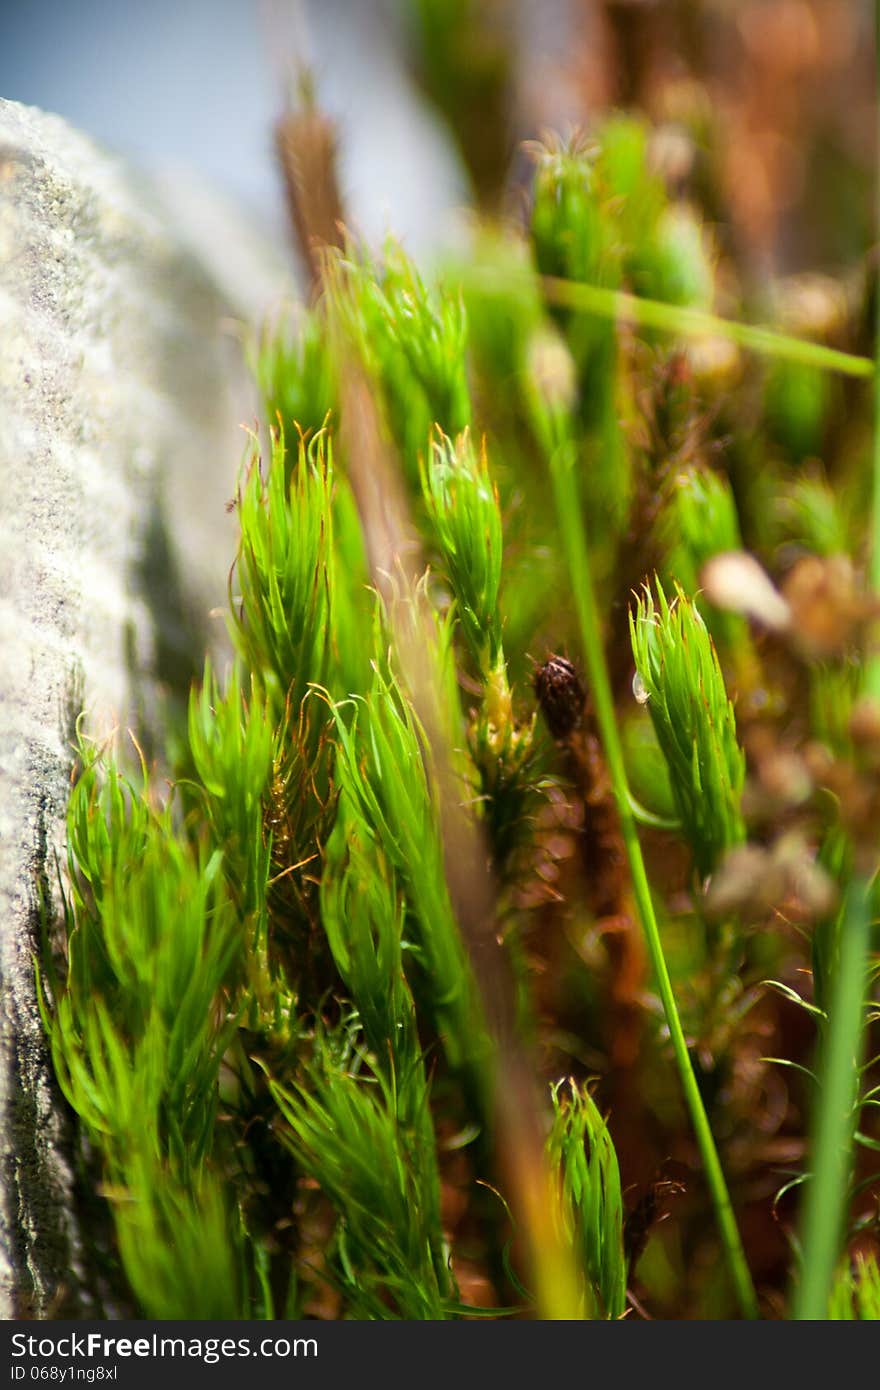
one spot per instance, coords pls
(828, 605)
(560, 695)
(864, 722)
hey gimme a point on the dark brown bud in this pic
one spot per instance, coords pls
(560, 695)
(648, 1210)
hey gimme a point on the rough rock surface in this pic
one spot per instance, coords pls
(121, 389)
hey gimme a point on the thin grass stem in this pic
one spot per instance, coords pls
(826, 1193)
(508, 1086)
(843, 1037)
(873, 666)
(697, 323)
(687, 322)
(578, 560)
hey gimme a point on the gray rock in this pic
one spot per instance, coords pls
(121, 391)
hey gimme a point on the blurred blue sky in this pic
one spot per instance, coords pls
(195, 85)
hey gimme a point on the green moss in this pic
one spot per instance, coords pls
(266, 1017)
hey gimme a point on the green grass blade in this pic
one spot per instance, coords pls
(577, 556)
(686, 322)
(834, 1122)
(826, 1194)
